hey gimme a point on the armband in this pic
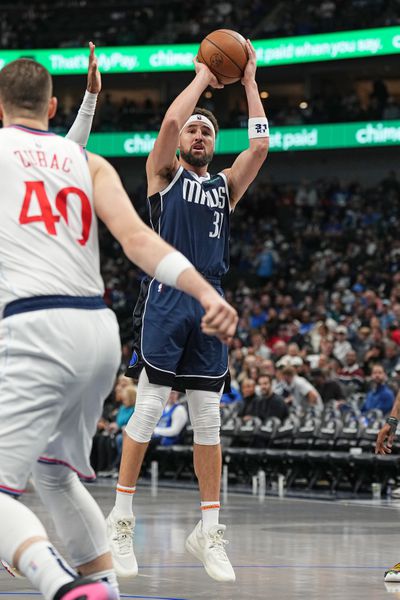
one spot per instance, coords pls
(258, 127)
(170, 267)
(393, 422)
(80, 129)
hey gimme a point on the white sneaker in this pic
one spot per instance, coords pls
(13, 571)
(120, 532)
(393, 574)
(208, 547)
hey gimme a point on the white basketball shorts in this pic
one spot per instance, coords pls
(57, 366)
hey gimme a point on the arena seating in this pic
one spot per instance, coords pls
(119, 22)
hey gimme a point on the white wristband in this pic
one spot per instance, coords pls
(258, 127)
(170, 267)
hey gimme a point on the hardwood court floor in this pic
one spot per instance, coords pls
(281, 549)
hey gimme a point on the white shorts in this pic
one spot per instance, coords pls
(57, 366)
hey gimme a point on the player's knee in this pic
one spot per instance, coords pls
(53, 478)
(206, 422)
(206, 435)
(143, 421)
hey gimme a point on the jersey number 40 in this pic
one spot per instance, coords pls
(37, 190)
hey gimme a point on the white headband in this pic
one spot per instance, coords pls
(202, 119)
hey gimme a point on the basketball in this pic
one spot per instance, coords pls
(225, 54)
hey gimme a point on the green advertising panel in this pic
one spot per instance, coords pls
(179, 57)
(282, 139)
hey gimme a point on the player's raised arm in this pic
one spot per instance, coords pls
(162, 160)
(146, 249)
(248, 163)
(81, 127)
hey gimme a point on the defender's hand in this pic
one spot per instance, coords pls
(220, 318)
(202, 69)
(94, 77)
(249, 75)
(384, 441)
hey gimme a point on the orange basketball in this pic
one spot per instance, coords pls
(225, 54)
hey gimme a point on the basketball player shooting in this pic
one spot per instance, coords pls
(190, 208)
(59, 343)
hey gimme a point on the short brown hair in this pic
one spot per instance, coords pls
(26, 86)
(209, 115)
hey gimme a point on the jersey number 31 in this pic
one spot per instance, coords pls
(37, 190)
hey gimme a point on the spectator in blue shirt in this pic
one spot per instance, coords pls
(380, 396)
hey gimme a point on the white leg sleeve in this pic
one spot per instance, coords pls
(204, 411)
(17, 525)
(150, 402)
(79, 521)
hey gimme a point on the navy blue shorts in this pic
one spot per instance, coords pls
(169, 344)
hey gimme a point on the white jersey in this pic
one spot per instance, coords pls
(48, 227)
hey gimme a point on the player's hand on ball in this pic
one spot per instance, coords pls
(201, 68)
(220, 318)
(94, 77)
(251, 66)
(384, 441)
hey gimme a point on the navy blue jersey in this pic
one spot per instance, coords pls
(192, 214)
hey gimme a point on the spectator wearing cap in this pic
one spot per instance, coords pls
(341, 344)
(290, 361)
(329, 389)
(297, 391)
(380, 396)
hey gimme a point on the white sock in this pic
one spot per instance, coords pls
(45, 568)
(210, 514)
(123, 500)
(108, 576)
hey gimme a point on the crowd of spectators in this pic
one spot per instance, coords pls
(315, 277)
(295, 17)
(330, 107)
(119, 22)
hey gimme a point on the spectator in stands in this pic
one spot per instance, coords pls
(351, 374)
(251, 402)
(229, 398)
(258, 345)
(271, 404)
(373, 356)
(172, 423)
(279, 349)
(380, 396)
(258, 316)
(391, 359)
(362, 342)
(329, 389)
(341, 345)
(297, 391)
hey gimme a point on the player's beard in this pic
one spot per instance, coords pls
(197, 161)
